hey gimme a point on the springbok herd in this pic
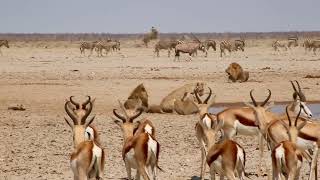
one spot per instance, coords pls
(292, 138)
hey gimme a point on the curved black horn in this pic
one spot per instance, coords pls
(209, 96)
(70, 114)
(294, 87)
(87, 102)
(296, 121)
(197, 97)
(118, 115)
(265, 101)
(287, 107)
(74, 103)
(300, 93)
(252, 98)
(83, 119)
(135, 116)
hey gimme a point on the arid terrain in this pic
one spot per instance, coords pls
(36, 143)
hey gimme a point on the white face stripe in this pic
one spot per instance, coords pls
(305, 111)
(89, 133)
(206, 120)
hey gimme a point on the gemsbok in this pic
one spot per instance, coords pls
(87, 158)
(140, 149)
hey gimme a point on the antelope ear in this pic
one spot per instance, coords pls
(284, 124)
(302, 125)
(67, 121)
(269, 105)
(117, 122)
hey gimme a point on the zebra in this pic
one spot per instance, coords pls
(239, 44)
(292, 41)
(277, 44)
(87, 45)
(307, 44)
(225, 45)
(210, 43)
(100, 46)
(315, 44)
(115, 44)
(165, 44)
(4, 43)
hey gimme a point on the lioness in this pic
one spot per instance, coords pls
(137, 99)
(185, 105)
(236, 73)
(167, 104)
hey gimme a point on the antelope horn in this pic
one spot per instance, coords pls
(265, 101)
(83, 119)
(296, 121)
(195, 37)
(294, 87)
(135, 116)
(252, 98)
(301, 95)
(70, 114)
(119, 116)
(287, 107)
(209, 96)
(88, 100)
(74, 103)
(197, 97)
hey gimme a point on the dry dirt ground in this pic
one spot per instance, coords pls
(36, 143)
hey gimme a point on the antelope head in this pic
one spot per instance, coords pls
(79, 124)
(300, 101)
(293, 130)
(260, 110)
(126, 124)
(204, 106)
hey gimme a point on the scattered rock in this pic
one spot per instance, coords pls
(266, 68)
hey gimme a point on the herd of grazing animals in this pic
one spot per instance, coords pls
(292, 137)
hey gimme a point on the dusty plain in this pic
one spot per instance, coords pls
(36, 143)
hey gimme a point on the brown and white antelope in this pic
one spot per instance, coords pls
(87, 158)
(4, 43)
(204, 134)
(140, 149)
(287, 157)
(271, 127)
(242, 120)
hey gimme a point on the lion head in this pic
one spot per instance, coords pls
(138, 96)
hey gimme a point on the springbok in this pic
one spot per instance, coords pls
(203, 134)
(140, 149)
(271, 127)
(242, 120)
(87, 158)
(287, 156)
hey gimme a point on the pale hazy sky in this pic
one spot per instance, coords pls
(136, 16)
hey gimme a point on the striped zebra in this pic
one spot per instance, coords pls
(310, 44)
(115, 44)
(100, 46)
(307, 44)
(292, 41)
(279, 44)
(225, 45)
(87, 45)
(4, 43)
(239, 44)
(210, 43)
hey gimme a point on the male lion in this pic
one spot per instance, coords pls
(138, 99)
(167, 104)
(236, 73)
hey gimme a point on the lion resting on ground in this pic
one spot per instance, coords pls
(236, 73)
(138, 99)
(167, 104)
(186, 105)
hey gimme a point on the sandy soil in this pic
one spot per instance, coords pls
(36, 143)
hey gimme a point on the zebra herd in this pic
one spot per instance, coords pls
(99, 46)
(308, 44)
